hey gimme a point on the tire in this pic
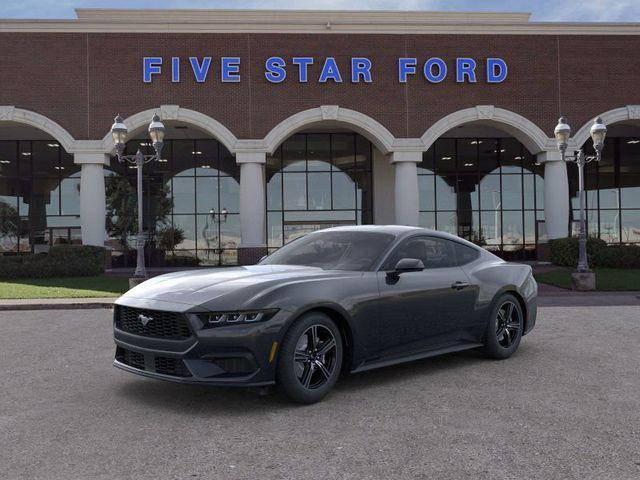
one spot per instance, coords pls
(310, 358)
(504, 330)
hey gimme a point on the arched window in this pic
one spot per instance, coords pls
(315, 181)
(487, 190)
(191, 203)
(39, 196)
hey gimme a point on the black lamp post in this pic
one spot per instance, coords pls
(598, 133)
(156, 132)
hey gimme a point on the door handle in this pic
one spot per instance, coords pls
(459, 285)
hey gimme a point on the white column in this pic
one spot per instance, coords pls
(92, 197)
(252, 199)
(556, 194)
(406, 186)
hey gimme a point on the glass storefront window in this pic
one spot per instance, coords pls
(612, 188)
(487, 190)
(39, 196)
(198, 180)
(315, 181)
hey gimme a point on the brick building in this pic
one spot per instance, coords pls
(283, 122)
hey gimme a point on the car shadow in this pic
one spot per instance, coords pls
(234, 401)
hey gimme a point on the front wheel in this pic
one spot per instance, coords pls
(310, 358)
(505, 327)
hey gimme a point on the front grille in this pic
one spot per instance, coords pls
(164, 365)
(162, 324)
(171, 366)
(128, 357)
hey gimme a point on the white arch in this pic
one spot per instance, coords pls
(10, 113)
(382, 138)
(630, 112)
(527, 132)
(177, 113)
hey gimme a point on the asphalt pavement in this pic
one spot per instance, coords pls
(567, 406)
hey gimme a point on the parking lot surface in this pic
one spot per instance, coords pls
(567, 405)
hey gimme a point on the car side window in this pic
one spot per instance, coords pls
(433, 251)
(465, 254)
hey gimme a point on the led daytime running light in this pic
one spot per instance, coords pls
(234, 318)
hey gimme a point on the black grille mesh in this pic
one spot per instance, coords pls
(171, 366)
(164, 365)
(236, 365)
(163, 324)
(133, 359)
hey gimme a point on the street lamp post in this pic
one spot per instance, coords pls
(562, 133)
(119, 133)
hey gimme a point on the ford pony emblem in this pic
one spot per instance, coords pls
(144, 319)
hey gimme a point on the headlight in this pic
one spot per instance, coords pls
(221, 319)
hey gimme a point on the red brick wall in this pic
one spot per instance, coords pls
(82, 80)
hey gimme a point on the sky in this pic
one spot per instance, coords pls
(542, 10)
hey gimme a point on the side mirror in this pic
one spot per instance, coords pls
(409, 265)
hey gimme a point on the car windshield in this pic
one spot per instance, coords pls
(355, 251)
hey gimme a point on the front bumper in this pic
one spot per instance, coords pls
(238, 355)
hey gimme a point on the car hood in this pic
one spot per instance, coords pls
(195, 287)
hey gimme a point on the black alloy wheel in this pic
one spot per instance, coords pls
(505, 327)
(315, 356)
(310, 358)
(509, 323)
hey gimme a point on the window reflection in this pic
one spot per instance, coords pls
(315, 181)
(487, 190)
(200, 180)
(39, 196)
(612, 188)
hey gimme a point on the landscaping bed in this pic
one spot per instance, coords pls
(607, 279)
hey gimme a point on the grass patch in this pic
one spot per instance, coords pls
(71, 287)
(607, 279)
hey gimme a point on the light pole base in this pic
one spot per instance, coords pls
(583, 281)
(133, 281)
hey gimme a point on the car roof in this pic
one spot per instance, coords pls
(392, 229)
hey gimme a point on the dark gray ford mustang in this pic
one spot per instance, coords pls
(344, 299)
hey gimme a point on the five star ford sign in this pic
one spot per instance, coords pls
(361, 69)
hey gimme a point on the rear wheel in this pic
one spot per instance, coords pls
(505, 327)
(310, 358)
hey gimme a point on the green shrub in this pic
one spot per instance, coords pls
(618, 256)
(564, 251)
(61, 261)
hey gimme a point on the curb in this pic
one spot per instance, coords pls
(8, 307)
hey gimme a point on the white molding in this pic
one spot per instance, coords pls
(527, 132)
(10, 113)
(251, 157)
(628, 112)
(6, 112)
(266, 16)
(177, 113)
(329, 112)
(414, 156)
(382, 138)
(308, 21)
(549, 156)
(169, 112)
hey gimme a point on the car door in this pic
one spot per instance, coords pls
(421, 310)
